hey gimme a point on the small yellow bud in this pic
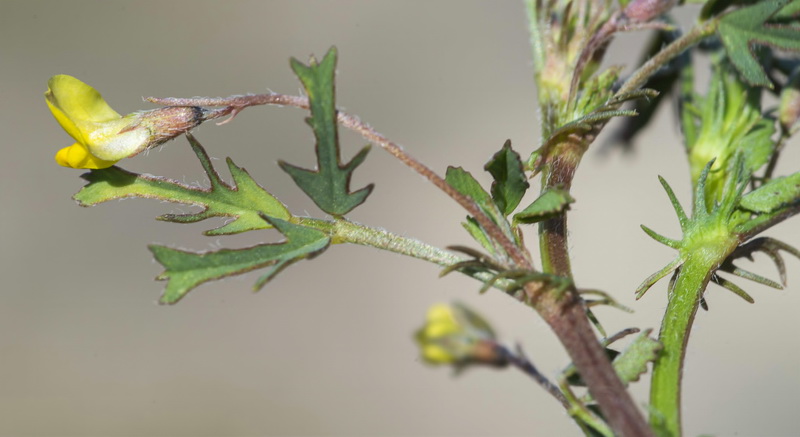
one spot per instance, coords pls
(454, 334)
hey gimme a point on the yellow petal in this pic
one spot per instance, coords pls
(436, 354)
(77, 156)
(440, 312)
(76, 106)
(439, 330)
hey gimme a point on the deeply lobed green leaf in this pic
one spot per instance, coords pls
(741, 29)
(243, 200)
(329, 185)
(186, 270)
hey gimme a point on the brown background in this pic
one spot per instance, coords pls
(326, 348)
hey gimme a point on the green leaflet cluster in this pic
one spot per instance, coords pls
(248, 206)
(760, 24)
(507, 190)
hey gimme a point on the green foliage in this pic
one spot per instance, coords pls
(724, 124)
(466, 184)
(728, 138)
(777, 193)
(329, 185)
(478, 234)
(244, 199)
(510, 182)
(632, 362)
(551, 202)
(186, 270)
(587, 117)
(741, 29)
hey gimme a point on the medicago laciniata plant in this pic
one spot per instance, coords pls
(731, 141)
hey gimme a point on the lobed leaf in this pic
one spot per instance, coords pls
(329, 185)
(741, 29)
(243, 200)
(186, 270)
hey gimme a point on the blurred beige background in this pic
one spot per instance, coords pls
(87, 351)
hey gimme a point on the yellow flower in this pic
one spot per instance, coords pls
(102, 136)
(454, 334)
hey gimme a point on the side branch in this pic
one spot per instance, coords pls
(233, 105)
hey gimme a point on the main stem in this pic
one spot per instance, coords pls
(566, 314)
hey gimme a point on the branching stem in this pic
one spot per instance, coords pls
(233, 105)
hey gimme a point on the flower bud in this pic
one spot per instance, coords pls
(456, 335)
(104, 137)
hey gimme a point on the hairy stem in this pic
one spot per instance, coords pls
(665, 55)
(566, 314)
(345, 231)
(569, 321)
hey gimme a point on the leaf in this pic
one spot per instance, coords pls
(552, 202)
(244, 199)
(466, 184)
(476, 232)
(629, 364)
(510, 182)
(741, 29)
(186, 270)
(757, 145)
(773, 195)
(329, 185)
(632, 362)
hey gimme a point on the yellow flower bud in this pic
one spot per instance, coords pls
(454, 334)
(104, 137)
